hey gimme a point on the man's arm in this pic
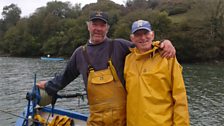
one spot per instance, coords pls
(180, 108)
(60, 81)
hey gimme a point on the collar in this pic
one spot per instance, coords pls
(91, 43)
(150, 53)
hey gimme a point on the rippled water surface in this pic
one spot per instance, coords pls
(204, 84)
(16, 79)
(205, 89)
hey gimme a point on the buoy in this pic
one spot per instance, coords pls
(45, 99)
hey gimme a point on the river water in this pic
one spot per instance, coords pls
(204, 84)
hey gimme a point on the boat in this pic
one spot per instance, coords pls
(25, 119)
(51, 58)
(39, 112)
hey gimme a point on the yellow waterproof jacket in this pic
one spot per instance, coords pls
(156, 94)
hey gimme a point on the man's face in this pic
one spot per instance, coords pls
(143, 40)
(98, 30)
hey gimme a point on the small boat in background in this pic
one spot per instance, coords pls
(51, 58)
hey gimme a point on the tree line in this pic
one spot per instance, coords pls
(195, 27)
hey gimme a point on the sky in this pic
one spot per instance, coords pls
(29, 6)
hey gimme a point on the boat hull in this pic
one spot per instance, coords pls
(78, 118)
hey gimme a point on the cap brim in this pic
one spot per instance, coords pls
(141, 28)
(98, 18)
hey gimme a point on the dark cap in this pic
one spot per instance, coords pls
(99, 15)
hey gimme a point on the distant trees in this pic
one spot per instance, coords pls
(200, 30)
(196, 28)
(11, 14)
(217, 27)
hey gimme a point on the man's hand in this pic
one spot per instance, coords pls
(168, 50)
(41, 84)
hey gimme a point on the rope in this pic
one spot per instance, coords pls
(21, 116)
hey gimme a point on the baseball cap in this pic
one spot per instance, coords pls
(99, 15)
(139, 25)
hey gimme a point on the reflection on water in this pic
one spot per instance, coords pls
(204, 84)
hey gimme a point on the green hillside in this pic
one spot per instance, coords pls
(195, 27)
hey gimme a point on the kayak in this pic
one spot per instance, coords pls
(51, 58)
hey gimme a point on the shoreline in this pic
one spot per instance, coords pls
(221, 61)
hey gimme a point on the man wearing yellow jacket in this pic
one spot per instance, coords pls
(156, 94)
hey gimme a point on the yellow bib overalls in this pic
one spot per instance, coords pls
(106, 97)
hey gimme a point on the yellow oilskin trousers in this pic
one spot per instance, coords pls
(107, 99)
(156, 94)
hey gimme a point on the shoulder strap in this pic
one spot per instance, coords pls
(111, 48)
(84, 51)
(112, 68)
